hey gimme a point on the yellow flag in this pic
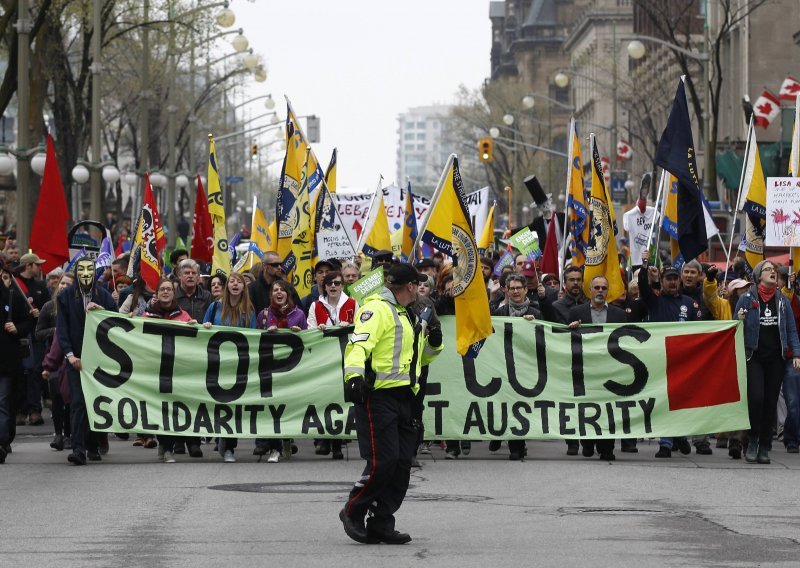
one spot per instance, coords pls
(601, 251)
(291, 181)
(670, 219)
(299, 260)
(755, 202)
(221, 260)
(375, 235)
(447, 227)
(794, 168)
(260, 239)
(577, 216)
(330, 173)
(487, 236)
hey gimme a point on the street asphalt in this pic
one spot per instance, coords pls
(480, 510)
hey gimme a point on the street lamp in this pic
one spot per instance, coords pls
(80, 174)
(508, 119)
(494, 132)
(240, 43)
(225, 18)
(561, 79)
(38, 161)
(260, 75)
(637, 50)
(528, 102)
(250, 61)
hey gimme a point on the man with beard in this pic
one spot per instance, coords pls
(73, 303)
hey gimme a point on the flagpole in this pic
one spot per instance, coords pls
(434, 198)
(363, 236)
(563, 253)
(736, 208)
(658, 199)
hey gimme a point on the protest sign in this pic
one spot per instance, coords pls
(783, 212)
(527, 243)
(368, 284)
(531, 380)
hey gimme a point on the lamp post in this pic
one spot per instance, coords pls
(637, 50)
(24, 210)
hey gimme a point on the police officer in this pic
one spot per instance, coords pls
(381, 364)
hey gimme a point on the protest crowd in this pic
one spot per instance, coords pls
(564, 268)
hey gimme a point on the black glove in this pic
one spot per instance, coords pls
(435, 336)
(357, 390)
(711, 273)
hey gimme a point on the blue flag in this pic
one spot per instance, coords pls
(676, 154)
(106, 254)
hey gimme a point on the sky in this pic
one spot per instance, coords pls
(357, 64)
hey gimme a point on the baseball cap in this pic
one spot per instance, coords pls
(322, 263)
(528, 270)
(426, 263)
(670, 271)
(30, 258)
(736, 284)
(403, 274)
(383, 255)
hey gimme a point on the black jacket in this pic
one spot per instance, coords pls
(503, 311)
(72, 315)
(583, 313)
(196, 304)
(14, 308)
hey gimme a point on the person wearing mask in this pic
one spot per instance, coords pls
(282, 313)
(54, 368)
(73, 303)
(333, 307)
(668, 306)
(165, 307)
(382, 363)
(596, 311)
(233, 310)
(771, 343)
(16, 322)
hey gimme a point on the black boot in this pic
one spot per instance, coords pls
(751, 453)
(57, 443)
(763, 455)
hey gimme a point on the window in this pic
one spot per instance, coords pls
(421, 147)
(420, 136)
(421, 125)
(408, 136)
(408, 147)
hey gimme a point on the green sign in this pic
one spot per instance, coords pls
(525, 241)
(367, 285)
(532, 380)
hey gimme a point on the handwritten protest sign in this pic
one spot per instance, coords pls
(783, 212)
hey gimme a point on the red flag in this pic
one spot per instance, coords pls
(151, 237)
(549, 262)
(48, 237)
(789, 89)
(202, 232)
(766, 108)
(624, 150)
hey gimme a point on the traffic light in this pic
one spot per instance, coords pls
(486, 149)
(312, 129)
(254, 152)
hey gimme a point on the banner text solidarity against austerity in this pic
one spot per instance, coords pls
(532, 380)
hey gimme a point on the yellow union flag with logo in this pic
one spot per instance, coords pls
(601, 252)
(221, 260)
(447, 227)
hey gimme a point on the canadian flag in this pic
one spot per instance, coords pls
(766, 108)
(624, 150)
(789, 89)
(606, 169)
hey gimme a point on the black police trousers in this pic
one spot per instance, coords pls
(386, 439)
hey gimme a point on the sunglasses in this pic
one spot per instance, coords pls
(273, 264)
(334, 283)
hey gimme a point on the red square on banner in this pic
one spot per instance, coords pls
(701, 369)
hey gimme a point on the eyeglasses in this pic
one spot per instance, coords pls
(334, 283)
(170, 289)
(768, 269)
(516, 288)
(600, 288)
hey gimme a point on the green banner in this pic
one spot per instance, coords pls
(526, 242)
(532, 380)
(367, 285)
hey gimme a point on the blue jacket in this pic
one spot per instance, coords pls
(786, 327)
(72, 316)
(663, 308)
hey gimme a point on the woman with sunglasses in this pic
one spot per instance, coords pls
(166, 307)
(770, 341)
(333, 307)
(233, 309)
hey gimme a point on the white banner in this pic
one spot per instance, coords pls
(783, 212)
(353, 209)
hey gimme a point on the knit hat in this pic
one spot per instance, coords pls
(758, 268)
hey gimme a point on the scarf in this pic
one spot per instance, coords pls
(281, 314)
(518, 310)
(766, 292)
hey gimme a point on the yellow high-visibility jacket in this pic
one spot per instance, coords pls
(384, 346)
